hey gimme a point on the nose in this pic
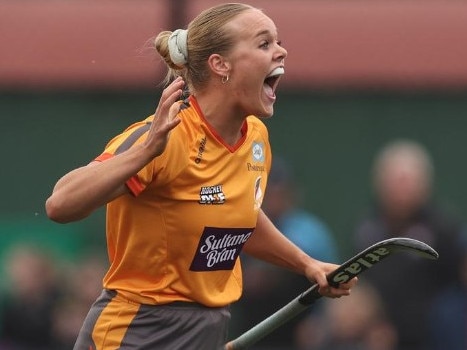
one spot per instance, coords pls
(281, 53)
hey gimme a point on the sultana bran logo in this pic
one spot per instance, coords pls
(219, 248)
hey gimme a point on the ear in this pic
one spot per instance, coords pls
(219, 65)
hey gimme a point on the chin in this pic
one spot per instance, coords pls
(262, 109)
(265, 112)
(266, 116)
(263, 115)
(268, 113)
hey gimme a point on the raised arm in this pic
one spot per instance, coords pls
(83, 190)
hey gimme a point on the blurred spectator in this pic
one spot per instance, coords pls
(355, 323)
(449, 314)
(282, 203)
(84, 284)
(404, 206)
(46, 298)
(28, 304)
(266, 287)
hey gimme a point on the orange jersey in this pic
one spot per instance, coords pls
(177, 237)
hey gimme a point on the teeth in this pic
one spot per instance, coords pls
(277, 71)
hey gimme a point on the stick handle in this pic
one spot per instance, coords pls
(277, 319)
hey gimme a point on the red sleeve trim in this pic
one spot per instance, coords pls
(134, 185)
(104, 156)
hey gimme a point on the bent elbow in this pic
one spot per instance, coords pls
(54, 212)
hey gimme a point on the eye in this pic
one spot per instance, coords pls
(264, 44)
(279, 42)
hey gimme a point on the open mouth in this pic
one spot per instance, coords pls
(271, 81)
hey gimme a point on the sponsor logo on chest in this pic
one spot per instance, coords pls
(218, 248)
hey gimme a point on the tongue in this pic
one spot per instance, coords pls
(268, 90)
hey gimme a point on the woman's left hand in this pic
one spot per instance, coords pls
(317, 272)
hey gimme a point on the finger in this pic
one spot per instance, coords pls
(325, 291)
(336, 292)
(173, 86)
(170, 94)
(165, 117)
(173, 111)
(340, 292)
(322, 281)
(165, 123)
(349, 284)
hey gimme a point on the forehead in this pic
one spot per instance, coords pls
(250, 24)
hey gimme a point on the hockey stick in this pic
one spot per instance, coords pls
(345, 272)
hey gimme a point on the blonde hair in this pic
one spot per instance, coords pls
(206, 35)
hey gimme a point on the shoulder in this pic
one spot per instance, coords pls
(257, 124)
(257, 131)
(129, 137)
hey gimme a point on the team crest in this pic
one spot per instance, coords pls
(258, 152)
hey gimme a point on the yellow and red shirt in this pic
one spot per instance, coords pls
(177, 237)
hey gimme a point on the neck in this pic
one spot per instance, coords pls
(222, 117)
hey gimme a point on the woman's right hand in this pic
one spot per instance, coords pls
(165, 118)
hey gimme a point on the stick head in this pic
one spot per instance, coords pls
(409, 245)
(377, 252)
(367, 259)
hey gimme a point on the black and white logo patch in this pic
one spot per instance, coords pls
(218, 248)
(211, 195)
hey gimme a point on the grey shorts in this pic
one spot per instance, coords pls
(114, 322)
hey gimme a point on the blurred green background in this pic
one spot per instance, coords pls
(330, 140)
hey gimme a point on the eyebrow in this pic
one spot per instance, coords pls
(264, 32)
